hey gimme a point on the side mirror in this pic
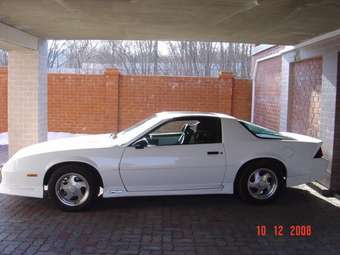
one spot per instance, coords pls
(140, 144)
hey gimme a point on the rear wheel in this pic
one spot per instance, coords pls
(260, 182)
(73, 188)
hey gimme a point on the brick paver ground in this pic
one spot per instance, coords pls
(168, 226)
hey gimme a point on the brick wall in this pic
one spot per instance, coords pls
(3, 100)
(242, 95)
(140, 96)
(305, 97)
(103, 103)
(263, 54)
(267, 93)
(76, 103)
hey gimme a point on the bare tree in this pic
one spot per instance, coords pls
(80, 55)
(155, 56)
(108, 53)
(144, 57)
(56, 52)
(208, 58)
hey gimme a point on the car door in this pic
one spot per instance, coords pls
(168, 165)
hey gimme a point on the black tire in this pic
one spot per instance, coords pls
(247, 175)
(82, 172)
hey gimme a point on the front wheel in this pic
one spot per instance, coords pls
(260, 183)
(73, 188)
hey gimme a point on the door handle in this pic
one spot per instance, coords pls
(214, 152)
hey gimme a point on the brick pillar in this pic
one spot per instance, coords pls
(27, 96)
(226, 96)
(112, 99)
(3, 99)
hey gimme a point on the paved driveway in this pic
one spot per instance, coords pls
(168, 225)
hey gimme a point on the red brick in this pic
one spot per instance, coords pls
(112, 101)
(267, 93)
(305, 97)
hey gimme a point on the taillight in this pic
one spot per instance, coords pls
(319, 154)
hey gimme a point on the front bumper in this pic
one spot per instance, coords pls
(15, 183)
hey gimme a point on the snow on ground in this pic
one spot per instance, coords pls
(3, 138)
(51, 136)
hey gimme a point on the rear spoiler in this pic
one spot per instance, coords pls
(302, 138)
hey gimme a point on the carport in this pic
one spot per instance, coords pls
(25, 25)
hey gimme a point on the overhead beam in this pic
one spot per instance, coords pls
(12, 38)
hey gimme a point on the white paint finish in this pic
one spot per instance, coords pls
(326, 48)
(13, 39)
(315, 40)
(98, 151)
(252, 117)
(27, 96)
(175, 167)
(261, 47)
(328, 101)
(285, 88)
(147, 171)
(51, 136)
(296, 155)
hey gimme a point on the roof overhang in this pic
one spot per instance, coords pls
(253, 21)
(11, 38)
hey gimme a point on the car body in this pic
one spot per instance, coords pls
(153, 158)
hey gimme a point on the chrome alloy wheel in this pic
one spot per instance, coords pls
(262, 183)
(72, 189)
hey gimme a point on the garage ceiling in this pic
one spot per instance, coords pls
(254, 21)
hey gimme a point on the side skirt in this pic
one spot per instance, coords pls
(227, 189)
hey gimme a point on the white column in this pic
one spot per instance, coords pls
(27, 96)
(285, 83)
(328, 103)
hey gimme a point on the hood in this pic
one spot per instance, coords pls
(68, 144)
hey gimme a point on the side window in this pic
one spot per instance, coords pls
(175, 126)
(209, 131)
(183, 131)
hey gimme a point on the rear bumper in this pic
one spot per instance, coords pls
(315, 170)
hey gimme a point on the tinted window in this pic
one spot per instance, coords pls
(208, 131)
(175, 126)
(193, 130)
(262, 132)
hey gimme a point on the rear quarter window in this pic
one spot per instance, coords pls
(261, 132)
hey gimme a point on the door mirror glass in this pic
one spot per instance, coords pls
(141, 144)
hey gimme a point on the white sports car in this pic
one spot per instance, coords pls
(170, 153)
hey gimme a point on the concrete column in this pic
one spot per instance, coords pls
(285, 83)
(27, 96)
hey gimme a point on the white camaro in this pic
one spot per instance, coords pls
(170, 153)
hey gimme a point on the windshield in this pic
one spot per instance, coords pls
(262, 132)
(135, 130)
